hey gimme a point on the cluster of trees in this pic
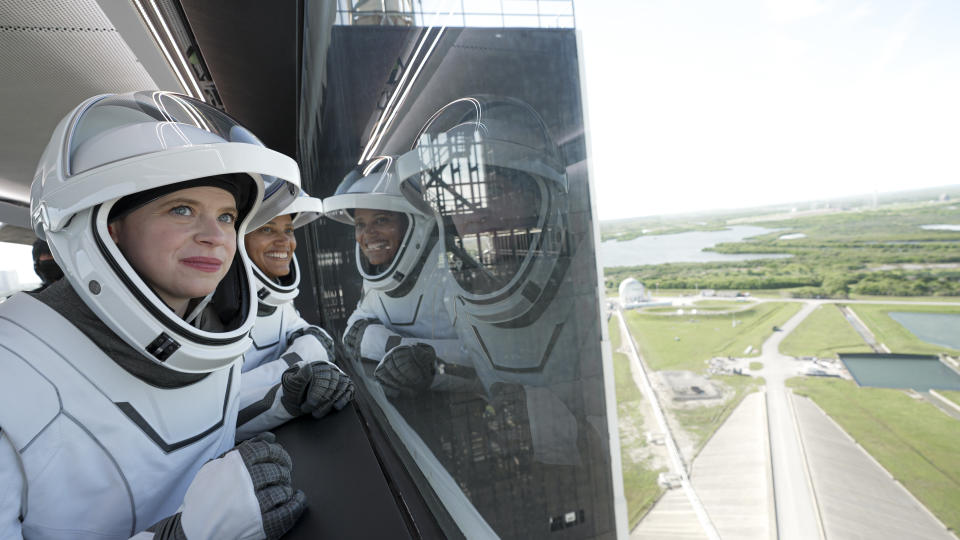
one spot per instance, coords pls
(843, 253)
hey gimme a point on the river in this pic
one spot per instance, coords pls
(680, 247)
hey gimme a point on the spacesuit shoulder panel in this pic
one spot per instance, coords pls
(29, 401)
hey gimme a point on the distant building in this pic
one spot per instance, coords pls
(633, 294)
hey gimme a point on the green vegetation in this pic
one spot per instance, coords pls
(628, 229)
(912, 439)
(702, 422)
(687, 342)
(720, 305)
(893, 334)
(756, 366)
(882, 252)
(825, 332)
(639, 479)
(952, 395)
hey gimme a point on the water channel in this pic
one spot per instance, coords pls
(680, 247)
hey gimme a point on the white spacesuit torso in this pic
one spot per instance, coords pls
(274, 324)
(87, 430)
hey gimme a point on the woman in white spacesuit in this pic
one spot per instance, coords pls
(118, 399)
(289, 369)
(401, 325)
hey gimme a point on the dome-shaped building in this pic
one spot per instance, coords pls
(632, 293)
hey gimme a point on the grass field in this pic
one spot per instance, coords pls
(912, 439)
(721, 305)
(687, 342)
(756, 366)
(892, 334)
(702, 422)
(824, 333)
(952, 395)
(639, 478)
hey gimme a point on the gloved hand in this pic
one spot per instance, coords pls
(311, 343)
(353, 338)
(315, 387)
(407, 370)
(245, 493)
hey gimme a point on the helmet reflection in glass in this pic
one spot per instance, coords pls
(393, 236)
(490, 170)
(116, 154)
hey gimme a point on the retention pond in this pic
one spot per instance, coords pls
(916, 371)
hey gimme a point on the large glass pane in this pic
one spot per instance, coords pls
(474, 327)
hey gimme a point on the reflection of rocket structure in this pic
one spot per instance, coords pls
(490, 172)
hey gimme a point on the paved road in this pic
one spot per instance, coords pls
(797, 515)
(802, 512)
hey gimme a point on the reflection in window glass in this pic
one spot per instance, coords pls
(467, 267)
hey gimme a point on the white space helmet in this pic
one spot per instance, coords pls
(115, 146)
(489, 169)
(304, 209)
(376, 185)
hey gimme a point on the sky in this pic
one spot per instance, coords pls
(700, 104)
(697, 105)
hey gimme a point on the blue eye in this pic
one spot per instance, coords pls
(182, 210)
(227, 218)
(266, 230)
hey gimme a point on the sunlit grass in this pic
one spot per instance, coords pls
(825, 332)
(639, 477)
(687, 342)
(892, 334)
(912, 439)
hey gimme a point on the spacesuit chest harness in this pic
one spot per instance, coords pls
(104, 453)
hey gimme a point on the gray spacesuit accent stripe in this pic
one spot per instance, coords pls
(23, 472)
(148, 430)
(55, 389)
(543, 361)
(291, 358)
(264, 310)
(126, 484)
(392, 342)
(416, 313)
(257, 408)
(407, 283)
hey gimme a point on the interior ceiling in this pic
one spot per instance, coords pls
(53, 55)
(56, 53)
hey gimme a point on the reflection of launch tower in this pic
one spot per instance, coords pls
(499, 13)
(385, 72)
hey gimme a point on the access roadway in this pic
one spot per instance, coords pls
(793, 485)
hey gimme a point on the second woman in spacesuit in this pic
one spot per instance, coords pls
(289, 370)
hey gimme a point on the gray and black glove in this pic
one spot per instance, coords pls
(245, 493)
(353, 338)
(315, 388)
(407, 370)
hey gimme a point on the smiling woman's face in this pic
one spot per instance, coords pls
(379, 233)
(271, 247)
(181, 244)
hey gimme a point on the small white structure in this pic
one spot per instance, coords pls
(633, 294)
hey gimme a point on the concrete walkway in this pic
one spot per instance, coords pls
(732, 479)
(857, 497)
(732, 474)
(672, 518)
